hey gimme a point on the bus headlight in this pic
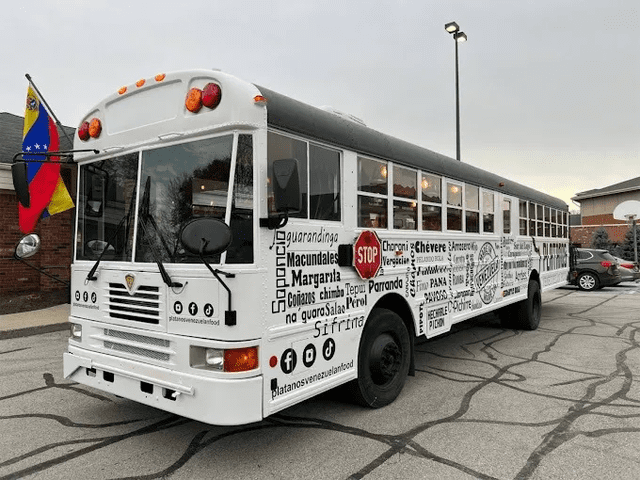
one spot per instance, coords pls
(229, 360)
(214, 358)
(76, 332)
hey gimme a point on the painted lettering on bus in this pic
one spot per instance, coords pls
(325, 327)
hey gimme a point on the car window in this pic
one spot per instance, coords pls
(584, 255)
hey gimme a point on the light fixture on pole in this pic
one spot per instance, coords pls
(458, 37)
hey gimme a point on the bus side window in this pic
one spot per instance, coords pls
(454, 206)
(506, 215)
(279, 146)
(405, 209)
(472, 208)
(523, 217)
(432, 211)
(324, 184)
(241, 221)
(487, 212)
(372, 205)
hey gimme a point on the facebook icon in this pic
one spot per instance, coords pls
(288, 360)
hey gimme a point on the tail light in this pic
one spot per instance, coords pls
(627, 265)
(606, 264)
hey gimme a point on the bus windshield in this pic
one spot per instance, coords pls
(176, 183)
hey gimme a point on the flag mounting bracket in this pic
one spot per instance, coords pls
(63, 153)
(19, 170)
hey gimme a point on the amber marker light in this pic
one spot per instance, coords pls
(241, 359)
(95, 127)
(260, 100)
(140, 82)
(193, 102)
(122, 90)
(160, 77)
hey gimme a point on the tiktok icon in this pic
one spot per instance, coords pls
(328, 349)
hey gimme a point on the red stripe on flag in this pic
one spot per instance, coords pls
(42, 185)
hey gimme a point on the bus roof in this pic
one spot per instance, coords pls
(290, 115)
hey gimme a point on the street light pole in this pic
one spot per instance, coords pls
(458, 37)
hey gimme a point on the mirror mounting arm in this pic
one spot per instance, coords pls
(230, 315)
(41, 270)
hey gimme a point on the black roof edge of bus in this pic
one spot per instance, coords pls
(293, 116)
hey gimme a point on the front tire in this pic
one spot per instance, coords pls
(587, 281)
(383, 360)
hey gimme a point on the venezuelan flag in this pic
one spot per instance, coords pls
(46, 188)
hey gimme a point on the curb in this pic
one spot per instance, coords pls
(29, 331)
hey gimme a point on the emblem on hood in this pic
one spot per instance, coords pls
(130, 279)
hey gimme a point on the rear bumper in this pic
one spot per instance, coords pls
(209, 400)
(610, 280)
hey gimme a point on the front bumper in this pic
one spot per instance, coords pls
(209, 400)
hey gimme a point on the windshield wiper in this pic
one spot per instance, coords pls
(145, 216)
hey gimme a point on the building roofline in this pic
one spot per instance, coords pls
(620, 187)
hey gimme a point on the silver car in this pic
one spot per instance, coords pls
(628, 270)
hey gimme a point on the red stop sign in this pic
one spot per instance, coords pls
(367, 254)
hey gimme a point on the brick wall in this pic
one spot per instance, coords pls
(582, 235)
(605, 219)
(54, 255)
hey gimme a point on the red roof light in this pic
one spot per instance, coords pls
(211, 95)
(83, 131)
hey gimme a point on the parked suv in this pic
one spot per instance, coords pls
(595, 269)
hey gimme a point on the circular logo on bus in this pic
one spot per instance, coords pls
(486, 278)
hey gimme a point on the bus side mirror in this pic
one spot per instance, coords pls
(20, 183)
(286, 185)
(205, 236)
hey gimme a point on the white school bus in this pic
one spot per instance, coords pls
(238, 251)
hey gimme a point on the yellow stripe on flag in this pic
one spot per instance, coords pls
(60, 200)
(31, 112)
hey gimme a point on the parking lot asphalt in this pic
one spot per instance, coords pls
(561, 402)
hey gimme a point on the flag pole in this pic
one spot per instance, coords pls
(69, 139)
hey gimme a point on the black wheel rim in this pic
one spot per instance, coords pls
(385, 359)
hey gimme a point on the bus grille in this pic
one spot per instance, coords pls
(142, 306)
(135, 344)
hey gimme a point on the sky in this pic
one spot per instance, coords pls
(549, 89)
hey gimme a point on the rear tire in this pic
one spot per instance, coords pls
(383, 360)
(587, 281)
(524, 315)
